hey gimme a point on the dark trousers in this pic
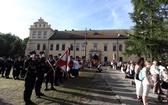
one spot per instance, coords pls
(2, 71)
(57, 76)
(7, 72)
(50, 77)
(16, 73)
(38, 84)
(29, 85)
(75, 72)
(23, 71)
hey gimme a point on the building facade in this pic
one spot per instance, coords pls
(104, 45)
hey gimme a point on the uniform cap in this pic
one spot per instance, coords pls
(59, 54)
(41, 52)
(32, 52)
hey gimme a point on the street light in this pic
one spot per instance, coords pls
(85, 42)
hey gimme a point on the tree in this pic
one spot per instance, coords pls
(12, 45)
(17, 48)
(150, 30)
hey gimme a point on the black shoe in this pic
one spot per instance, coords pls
(53, 88)
(57, 84)
(37, 96)
(45, 89)
(161, 93)
(30, 103)
(41, 94)
(160, 98)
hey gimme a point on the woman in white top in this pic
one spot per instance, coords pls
(147, 82)
(138, 83)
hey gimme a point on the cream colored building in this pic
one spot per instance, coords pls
(104, 45)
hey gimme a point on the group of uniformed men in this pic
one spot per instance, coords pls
(34, 68)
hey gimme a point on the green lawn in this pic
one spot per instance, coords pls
(68, 93)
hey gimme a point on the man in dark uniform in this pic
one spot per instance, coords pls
(22, 70)
(8, 66)
(16, 69)
(30, 78)
(40, 75)
(71, 65)
(50, 72)
(1, 66)
(25, 65)
(58, 73)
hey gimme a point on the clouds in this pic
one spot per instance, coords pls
(17, 16)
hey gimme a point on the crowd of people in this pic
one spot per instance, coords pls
(147, 75)
(36, 69)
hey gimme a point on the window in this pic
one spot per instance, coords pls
(77, 47)
(95, 47)
(83, 46)
(44, 46)
(39, 34)
(57, 46)
(105, 47)
(45, 34)
(34, 34)
(38, 46)
(51, 46)
(36, 25)
(44, 25)
(120, 47)
(63, 47)
(121, 59)
(114, 47)
(71, 46)
(40, 25)
(105, 59)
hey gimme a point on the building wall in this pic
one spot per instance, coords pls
(42, 26)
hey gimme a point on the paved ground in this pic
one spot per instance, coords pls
(125, 92)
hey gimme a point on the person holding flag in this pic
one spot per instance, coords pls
(50, 72)
(64, 62)
(58, 72)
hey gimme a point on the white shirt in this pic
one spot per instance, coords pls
(163, 76)
(76, 65)
(154, 69)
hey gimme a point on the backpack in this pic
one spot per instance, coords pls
(140, 75)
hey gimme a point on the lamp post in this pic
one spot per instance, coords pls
(85, 42)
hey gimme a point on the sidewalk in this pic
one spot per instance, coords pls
(115, 79)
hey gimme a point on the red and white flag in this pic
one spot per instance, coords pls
(64, 61)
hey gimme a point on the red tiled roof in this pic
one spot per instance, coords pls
(91, 34)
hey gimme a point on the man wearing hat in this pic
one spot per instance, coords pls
(58, 73)
(40, 74)
(30, 78)
(1, 65)
(50, 73)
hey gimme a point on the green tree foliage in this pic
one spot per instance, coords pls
(11, 45)
(150, 30)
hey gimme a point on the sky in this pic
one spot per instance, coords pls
(17, 15)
